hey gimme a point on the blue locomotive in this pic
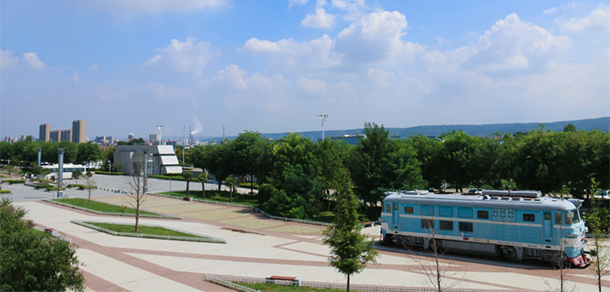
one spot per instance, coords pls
(519, 224)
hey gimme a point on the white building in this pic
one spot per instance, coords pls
(162, 159)
(68, 168)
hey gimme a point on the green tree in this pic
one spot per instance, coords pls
(231, 182)
(187, 175)
(137, 196)
(597, 219)
(380, 164)
(31, 262)
(569, 128)
(203, 178)
(88, 152)
(77, 174)
(89, 186)
(251, 153)
(350, 250)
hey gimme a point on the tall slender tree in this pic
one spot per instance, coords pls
(188, 176)
(350, 250)
(203, 178)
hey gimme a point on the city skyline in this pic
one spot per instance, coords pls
(273, 67)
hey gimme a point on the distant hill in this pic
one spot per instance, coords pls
(602, 124)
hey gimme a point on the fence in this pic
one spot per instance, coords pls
(229, 284)
(355, 287)
(202, 238)
(161, 216)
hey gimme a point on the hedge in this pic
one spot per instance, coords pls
(248, 184)
(176, 177)
(110, 173)
(14, 181)
(5, 191)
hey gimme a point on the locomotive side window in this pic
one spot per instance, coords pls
(426, 210)
(409, 210)
(445, 225)
(547, 215)
(427, 224)
(529, 217)
(481, 214)
(388, 207)
(445, 211)
(466, 226)
(558, 218)
(464, 212)
(395, 206)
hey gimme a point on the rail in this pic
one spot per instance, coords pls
(202, 238)
(229, 284)
(355, 287)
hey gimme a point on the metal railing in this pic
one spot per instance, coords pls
(201, 238)
(229, 284)
(161, 216)
(355, 287)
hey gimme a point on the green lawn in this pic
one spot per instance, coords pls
(103, 207)
(150, 230)
(273, 288)
(222, 196)
(327, 217)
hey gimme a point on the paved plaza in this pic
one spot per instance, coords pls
(255, 247)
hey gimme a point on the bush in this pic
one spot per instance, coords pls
(247, 185)
(5, 191)
(42, 186)
(42, 180)
(80, 186)
(83, 187)
(107, 172)
(14, 181)
(173, 177)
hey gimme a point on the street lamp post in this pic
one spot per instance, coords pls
(60, 171)
(145, 189)
(39, 156)
(323, 119)
(109, 166)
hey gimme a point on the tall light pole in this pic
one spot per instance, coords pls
(145, 189)
(159, 127)
(39, 156)
(109, 166)
(60, 170)
(323, 119)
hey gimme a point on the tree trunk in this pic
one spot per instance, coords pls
(252, 184)
(203, 190)
(219, 185)
(137, 217)
(187, 189)
(231, 195)
(347, 282)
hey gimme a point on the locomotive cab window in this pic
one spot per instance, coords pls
(547, 215)
(558, 218)
(529, 217)
(395, 206)
(572, 217)
(481, 214)
(388, 207)
(409, 210)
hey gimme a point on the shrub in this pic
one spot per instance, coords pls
(83, 187)
(14, 181)
(5, 191)
(173, 177)
(107, 172)
(248, 184)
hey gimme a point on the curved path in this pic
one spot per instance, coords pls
(258, 247)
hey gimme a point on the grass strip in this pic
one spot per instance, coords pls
(218, 196)
(147, 231)
(143, 229)
(102, 207)
(279, 288)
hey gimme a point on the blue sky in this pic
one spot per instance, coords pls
(273, 66)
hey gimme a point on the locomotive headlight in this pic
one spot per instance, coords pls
(571, 235)
(380, 219)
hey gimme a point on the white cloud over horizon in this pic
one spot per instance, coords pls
(597, 21)
(320, 19)
(189, 56)
(32, 61)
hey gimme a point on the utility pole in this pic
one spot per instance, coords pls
(60, 171)
(323, 119)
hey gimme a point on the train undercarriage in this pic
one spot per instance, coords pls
(515, 253)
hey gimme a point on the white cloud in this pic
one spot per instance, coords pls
(597, 21)
(75, 79)
(354, 8)
(297, 2)
(550, 11)
(320, 19)
(158, 6)
(312, 86)
(377, 36)
(33, 62)
(510, 45)
(317, 53)
(187, 57)
(7, 60)
(571, 5)
(232, 76)
(93, 67)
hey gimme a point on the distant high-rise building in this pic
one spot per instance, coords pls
(104, 140)
(45, 130)
(131, 136)
(54, 136)
(65, 135)
(154, 138)
(79, 131)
